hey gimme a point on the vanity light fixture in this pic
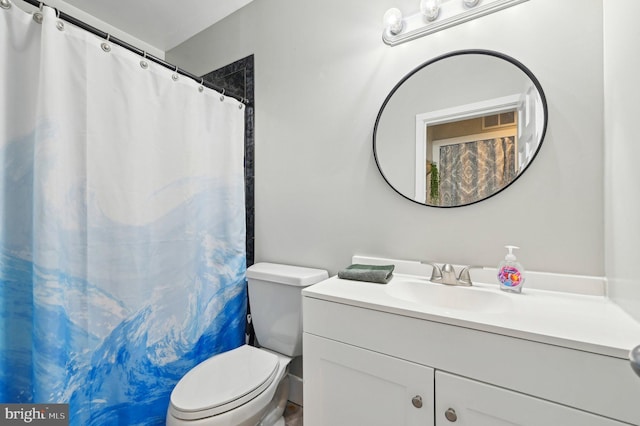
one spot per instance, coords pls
(393, 22)
(436, 15)
(430, 9)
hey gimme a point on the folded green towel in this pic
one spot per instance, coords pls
(373, 273)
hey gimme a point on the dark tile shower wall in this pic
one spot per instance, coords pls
(237, 79)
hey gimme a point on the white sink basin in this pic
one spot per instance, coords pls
(448, 297)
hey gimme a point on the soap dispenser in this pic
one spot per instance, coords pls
(510, 272)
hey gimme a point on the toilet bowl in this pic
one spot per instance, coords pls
(249, 386)
(241, 387)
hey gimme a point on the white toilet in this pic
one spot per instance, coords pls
(248, 386)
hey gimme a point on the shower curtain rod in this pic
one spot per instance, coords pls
(134, 49)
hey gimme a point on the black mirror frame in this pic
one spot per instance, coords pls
(507, 58)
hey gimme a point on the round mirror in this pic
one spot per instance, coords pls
(460, 128)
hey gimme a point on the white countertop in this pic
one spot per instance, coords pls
(591, 323)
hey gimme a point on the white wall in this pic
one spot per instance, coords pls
(622, 173)
(322, 73)
(65, 7)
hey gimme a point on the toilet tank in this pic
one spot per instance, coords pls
(276, 304)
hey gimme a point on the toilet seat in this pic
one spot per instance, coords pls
(241, 374)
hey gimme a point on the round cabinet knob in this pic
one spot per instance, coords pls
(417, 401)
(451, 415)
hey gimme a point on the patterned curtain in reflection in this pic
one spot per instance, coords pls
(474, 170)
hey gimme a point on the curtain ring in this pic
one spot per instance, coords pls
(222, 96)
(175, 75)
(5, 4)
(143, 63)
(105, 46)
(38, 17)
(201, 88)
(59, 24)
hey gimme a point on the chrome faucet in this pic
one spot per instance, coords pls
(447, 274)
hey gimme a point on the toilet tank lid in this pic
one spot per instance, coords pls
(286, 274)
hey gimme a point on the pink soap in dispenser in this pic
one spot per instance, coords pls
(510, 272)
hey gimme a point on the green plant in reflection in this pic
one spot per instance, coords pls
(434, 187)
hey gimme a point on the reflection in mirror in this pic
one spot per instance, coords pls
(460, 128)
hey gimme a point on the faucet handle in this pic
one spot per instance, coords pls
(465, 277)
(436, 272)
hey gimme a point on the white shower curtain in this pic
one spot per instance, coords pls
(122, 233)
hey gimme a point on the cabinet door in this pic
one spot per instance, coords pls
(347, 385)
(464, 402)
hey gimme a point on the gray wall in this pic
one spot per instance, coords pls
(622, 201)
(322, 73)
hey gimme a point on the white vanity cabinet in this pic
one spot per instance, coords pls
(346, 385)
(365, 363)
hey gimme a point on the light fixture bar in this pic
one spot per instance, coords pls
(452, 13)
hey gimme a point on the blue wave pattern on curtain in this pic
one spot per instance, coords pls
(122, 260)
